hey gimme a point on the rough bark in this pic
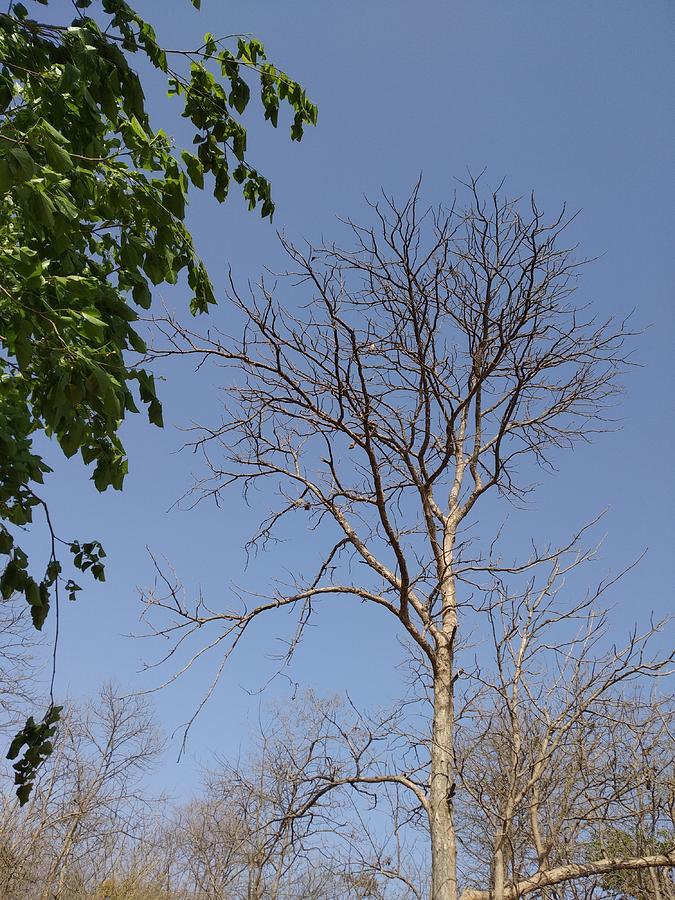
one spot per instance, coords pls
(441, 788)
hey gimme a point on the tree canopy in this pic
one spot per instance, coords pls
(92, 217)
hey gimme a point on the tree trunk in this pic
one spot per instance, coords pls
(58, 866)
(442, 786)
(255, 887)
(498, 875)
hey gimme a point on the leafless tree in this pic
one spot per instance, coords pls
(564, 746)
(86, 805)
(17, 664)
(272, 826)
(414, 376)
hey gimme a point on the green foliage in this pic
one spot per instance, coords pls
(92, 216)
(37, 740)
(620, 844)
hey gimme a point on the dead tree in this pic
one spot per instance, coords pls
(18, 665)
(86, 805)
(415, 374)
(564, 753)
(272, 826)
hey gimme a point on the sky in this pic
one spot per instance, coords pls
(570, 99)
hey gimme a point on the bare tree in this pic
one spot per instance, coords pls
(86, 805)
(562, 747)
(272, 826)
(416, 375)
(17, 665)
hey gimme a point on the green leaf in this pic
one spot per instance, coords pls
(155, 415)
(154, 267)
(71, 441)
(136, 342)
(73, 589)
(6, 93)
(93, 318)
(138, 130)
(23, 350)
(42, 208)
(64, 206)
(21, 164)
(93, 211)
(40, 609)
(141, 294)
(53, 133)
(240, 95)
(32, 592)
(195, 169)
(59, 159)
(210, 45)
(6, 179)
(37, 741)
(6, 541)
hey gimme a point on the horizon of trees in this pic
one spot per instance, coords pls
(93, 831)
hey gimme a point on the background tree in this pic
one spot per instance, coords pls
(270, 826)
(307, 813)
(18, 665)
(415, 375)
(92, 216)
(88, 804)
(562, 744)
(642, 883)
(92, 829)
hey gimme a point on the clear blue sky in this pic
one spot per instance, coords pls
(572, 99)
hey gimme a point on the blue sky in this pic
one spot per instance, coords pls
(572, 100)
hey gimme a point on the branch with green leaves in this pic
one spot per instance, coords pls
(92, 217)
